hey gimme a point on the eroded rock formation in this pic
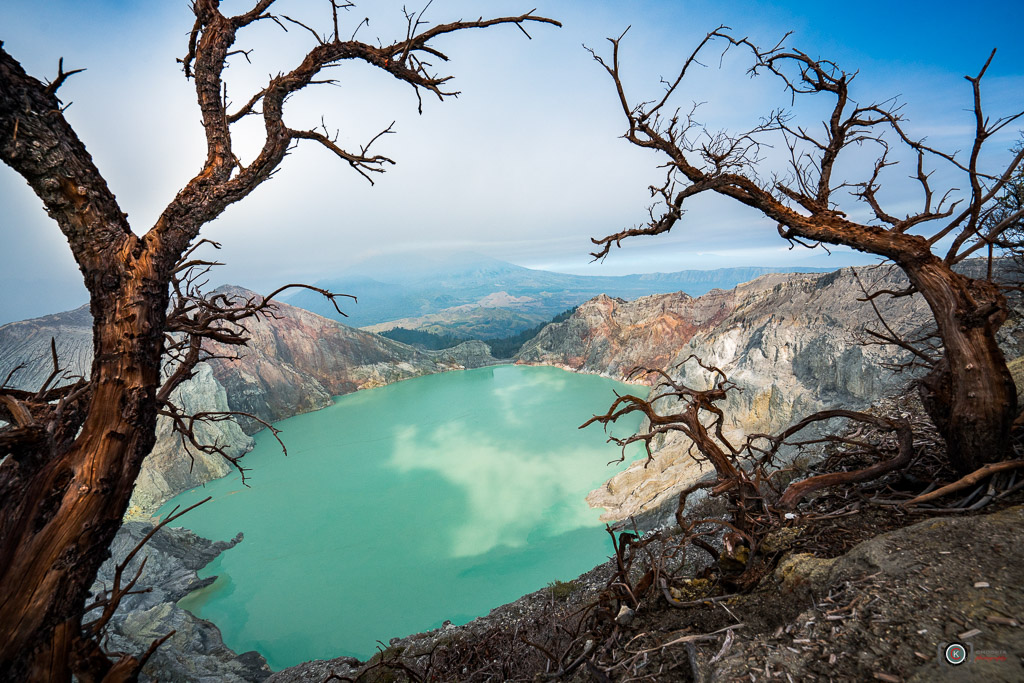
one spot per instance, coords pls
(196, 651)
(169, 469)
(793, 344)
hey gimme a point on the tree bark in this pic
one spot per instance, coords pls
(67, 483)
(970, 394)
(67, 470)
(57, 534)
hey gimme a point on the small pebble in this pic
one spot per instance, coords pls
(981, 584)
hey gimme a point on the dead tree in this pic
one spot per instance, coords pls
(196, 318)
(71, 453)
(744, 471)
(969, 394)
(1009, 204)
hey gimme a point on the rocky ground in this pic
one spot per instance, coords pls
(884, 610)
(196, 652)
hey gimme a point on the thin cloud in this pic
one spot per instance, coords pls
(526, 165)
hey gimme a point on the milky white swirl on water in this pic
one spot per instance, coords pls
(435, 498)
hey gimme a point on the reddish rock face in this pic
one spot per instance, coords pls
(297, 360)
(792, 343)
(612, 336)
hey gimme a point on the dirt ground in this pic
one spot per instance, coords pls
(884, 610)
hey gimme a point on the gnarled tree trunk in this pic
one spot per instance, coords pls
(970, 394)
(71, 463)
(69, 455)
(61, 514)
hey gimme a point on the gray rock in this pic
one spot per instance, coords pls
(171, 467)
(27, 344)
(792, 344)
(316, 671)
(196, 651)
(913, 589)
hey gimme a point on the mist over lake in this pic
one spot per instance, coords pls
(396, 508)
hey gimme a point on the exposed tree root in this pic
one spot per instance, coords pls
(797, 491)
(964, 482)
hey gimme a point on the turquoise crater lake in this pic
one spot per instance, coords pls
(396, 508)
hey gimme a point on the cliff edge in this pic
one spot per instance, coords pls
(793, 344)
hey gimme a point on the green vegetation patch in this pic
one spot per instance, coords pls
(561, 590)
(507, 347)
(501, 347)
(422, 339)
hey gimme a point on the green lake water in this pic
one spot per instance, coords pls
(396, 508)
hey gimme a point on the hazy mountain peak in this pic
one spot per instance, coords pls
(414, 289)
(411, 266)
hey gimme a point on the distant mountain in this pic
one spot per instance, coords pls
(473, 295)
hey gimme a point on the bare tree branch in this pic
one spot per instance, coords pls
(970, 393)
(223, 180)
(71, 453)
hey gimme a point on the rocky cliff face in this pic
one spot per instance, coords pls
(791, 344)
(294, 363)
(196, 651)
(611, 336)
(25, 347)
(169, 469)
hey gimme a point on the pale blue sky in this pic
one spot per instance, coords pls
(525, 165)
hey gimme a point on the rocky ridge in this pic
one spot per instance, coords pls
(297, 360)
(25, 347)
(611, 336)
(941, 580)
(792, 344)
(196, 651)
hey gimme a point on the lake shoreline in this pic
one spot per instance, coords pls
(497, 451)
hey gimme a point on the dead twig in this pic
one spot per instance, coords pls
(962, 483)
